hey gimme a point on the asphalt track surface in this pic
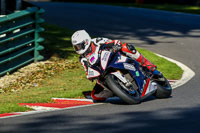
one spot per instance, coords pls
(173, 35)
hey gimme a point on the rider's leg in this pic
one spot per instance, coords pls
(130, 51)
(99, 94)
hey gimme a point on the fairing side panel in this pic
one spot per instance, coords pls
(137, 75)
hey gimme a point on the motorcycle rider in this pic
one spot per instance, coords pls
(85, 46)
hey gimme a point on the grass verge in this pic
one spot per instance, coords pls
(64, 77)
(169, 69)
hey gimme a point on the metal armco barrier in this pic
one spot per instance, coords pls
(19, 39)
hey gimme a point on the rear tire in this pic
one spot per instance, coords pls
(113, 84)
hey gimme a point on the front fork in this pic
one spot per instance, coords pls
(126, 84)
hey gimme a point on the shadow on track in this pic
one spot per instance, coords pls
(182, 120)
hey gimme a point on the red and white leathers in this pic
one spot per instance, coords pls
(130, 51)
(126, 48)
(92, 50)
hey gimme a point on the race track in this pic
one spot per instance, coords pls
(174, 35)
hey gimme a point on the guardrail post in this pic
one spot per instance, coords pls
(38, 39)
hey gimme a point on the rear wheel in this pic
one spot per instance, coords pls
(127, 94)
(164, 89)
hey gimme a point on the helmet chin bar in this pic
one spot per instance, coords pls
(79, 46)
(83, 50)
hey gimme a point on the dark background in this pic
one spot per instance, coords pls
(180, 2)
(11, 4)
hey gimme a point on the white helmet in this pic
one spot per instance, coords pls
(81, 41)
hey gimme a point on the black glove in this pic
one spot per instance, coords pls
(116, 48)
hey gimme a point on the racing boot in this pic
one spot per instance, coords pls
(145, 63)
(99, 94)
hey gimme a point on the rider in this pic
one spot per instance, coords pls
(85, 46)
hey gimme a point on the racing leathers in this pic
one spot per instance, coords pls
(100, 92)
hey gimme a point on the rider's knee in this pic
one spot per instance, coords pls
(126, 47)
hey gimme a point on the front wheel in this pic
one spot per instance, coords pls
(118, 89)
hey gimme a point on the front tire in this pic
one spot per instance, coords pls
(113, 84)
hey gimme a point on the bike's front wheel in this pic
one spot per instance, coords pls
(119, 89)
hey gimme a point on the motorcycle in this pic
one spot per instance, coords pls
(125, 77)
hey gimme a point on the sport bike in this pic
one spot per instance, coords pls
(125, 77)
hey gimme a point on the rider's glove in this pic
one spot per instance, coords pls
(116, 48)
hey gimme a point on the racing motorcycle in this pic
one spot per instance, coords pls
(125, 77)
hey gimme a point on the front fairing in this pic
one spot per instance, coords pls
(124, 63)
(109, 61)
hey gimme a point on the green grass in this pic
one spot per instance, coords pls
(58, 42)
(70, 81)
(170, 70)
(165, 7)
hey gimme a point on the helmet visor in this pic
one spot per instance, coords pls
(80, 46)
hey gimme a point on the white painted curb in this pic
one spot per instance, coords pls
(188, 74)
(87, 100)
